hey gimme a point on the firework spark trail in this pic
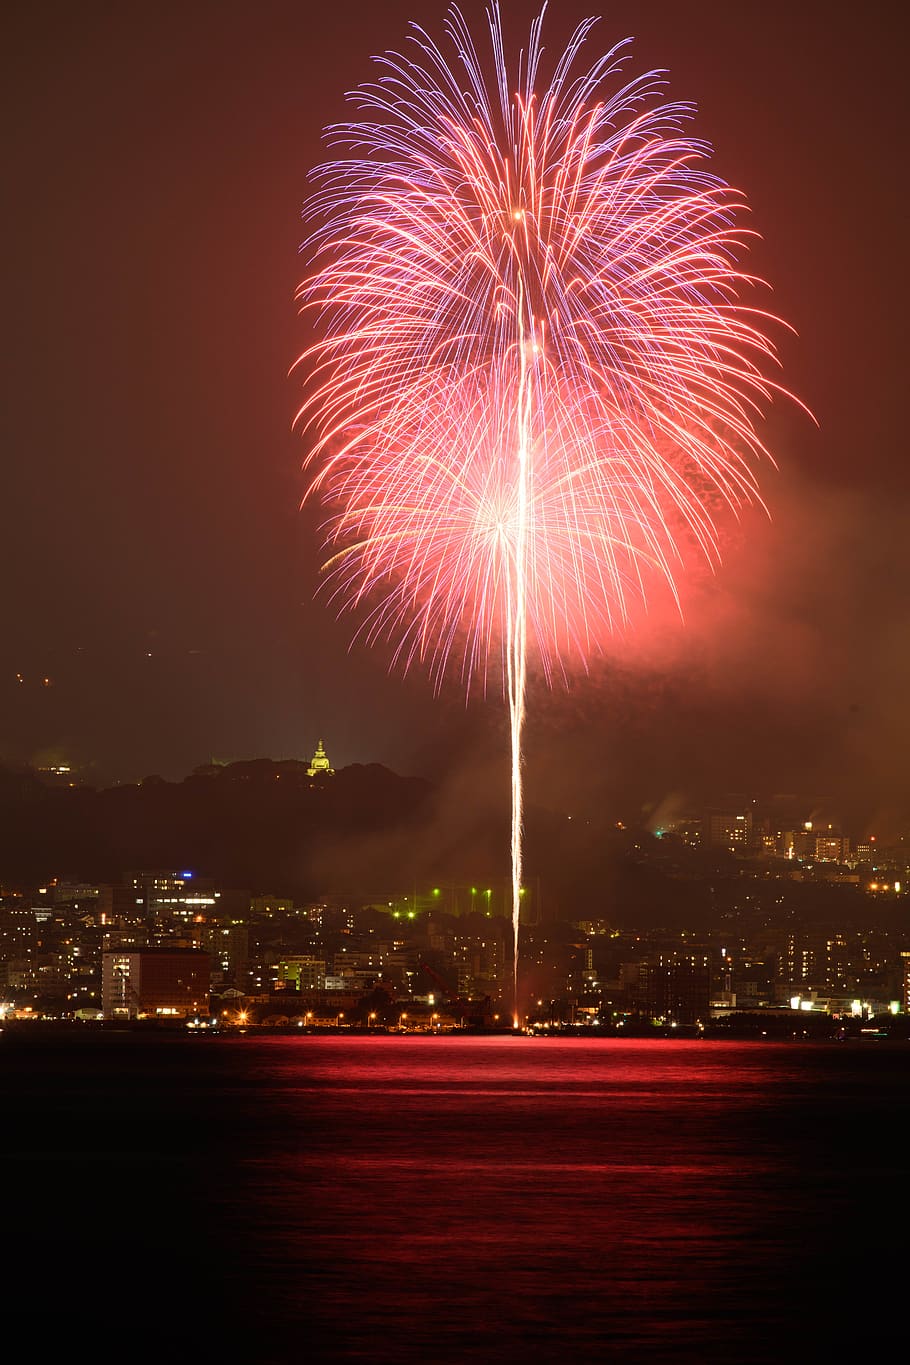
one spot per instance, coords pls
(516, 627)
(532, 376)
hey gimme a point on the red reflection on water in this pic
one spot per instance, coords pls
(547, 1063)
(526, 1199)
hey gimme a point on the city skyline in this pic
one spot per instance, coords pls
(159, 573)
(769, 938)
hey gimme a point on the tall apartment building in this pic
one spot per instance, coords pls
(149, 983)
(675, 988)
(730, 829)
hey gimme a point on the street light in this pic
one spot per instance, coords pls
(402, 1021)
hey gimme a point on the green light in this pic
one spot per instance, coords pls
(410, 914)
(435, 890)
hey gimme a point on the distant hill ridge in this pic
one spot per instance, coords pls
(258, 822)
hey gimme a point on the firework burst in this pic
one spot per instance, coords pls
(534, 380)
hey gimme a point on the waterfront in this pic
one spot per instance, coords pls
(390, 1199)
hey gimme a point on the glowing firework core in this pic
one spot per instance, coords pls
(533, 377)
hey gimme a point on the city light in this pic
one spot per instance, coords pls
(439, 974)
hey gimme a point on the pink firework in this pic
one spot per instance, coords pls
(534, 379)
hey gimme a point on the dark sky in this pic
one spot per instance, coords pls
(157, 568)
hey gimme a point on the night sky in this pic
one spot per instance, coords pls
(157, 568)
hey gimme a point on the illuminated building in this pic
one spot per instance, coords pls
(149, 983)
(831, 847)
(798, 843)
(96, 897)
(228, 946)
(675, 988)
(58, 774)
(480, 965)
(301, 972)
(688, 828)
(731, 830)
(164, 898)
(320, 766)
(905, 982)
(815, 959)
(267, 907)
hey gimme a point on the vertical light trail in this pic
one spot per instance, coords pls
(517, 626)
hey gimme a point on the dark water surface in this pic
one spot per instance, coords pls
(394, 1199)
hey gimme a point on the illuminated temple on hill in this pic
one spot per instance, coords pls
(320, 764)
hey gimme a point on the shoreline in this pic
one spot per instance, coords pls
(39, 1029)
